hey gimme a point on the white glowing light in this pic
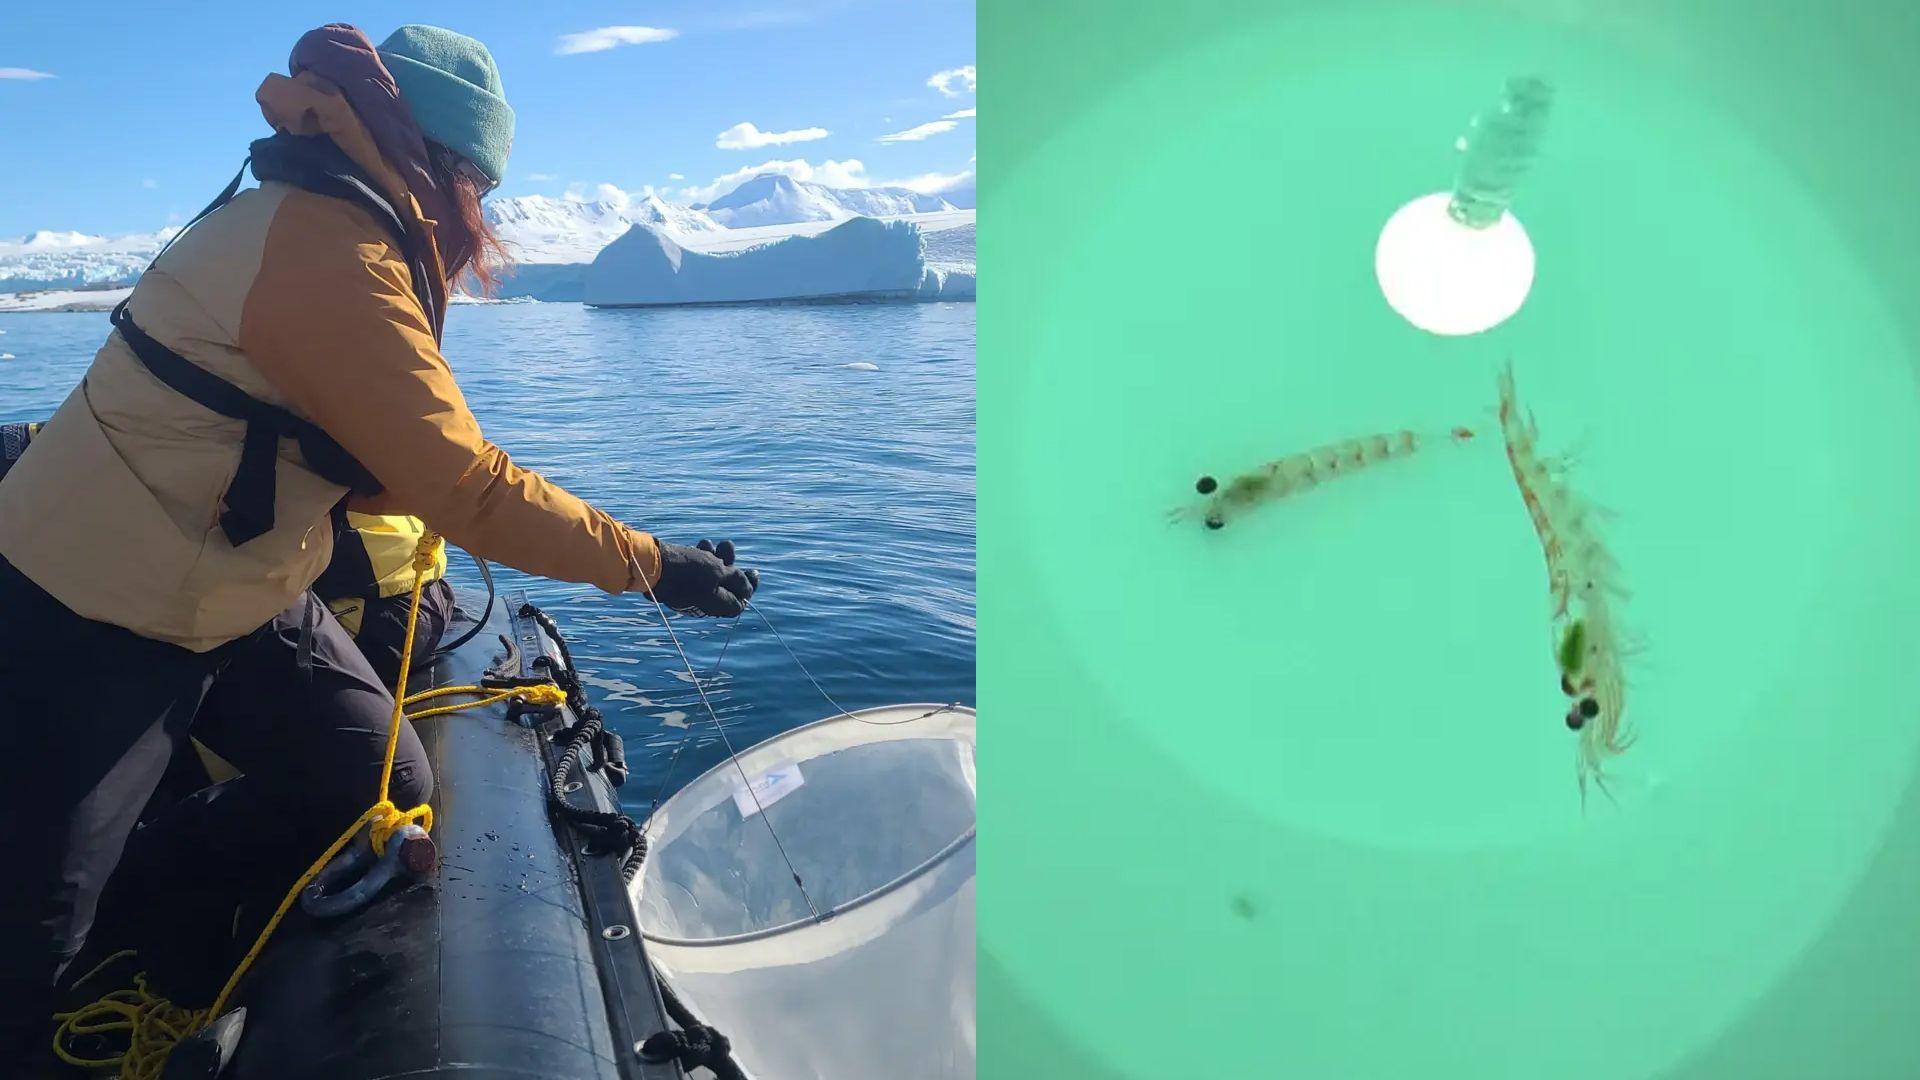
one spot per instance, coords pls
(1446, 278)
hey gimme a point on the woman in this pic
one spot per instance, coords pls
(280, 354)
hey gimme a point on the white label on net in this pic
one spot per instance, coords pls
(769, 788)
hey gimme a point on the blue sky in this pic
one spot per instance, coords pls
(119, 117)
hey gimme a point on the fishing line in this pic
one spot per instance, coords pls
(673, 761)
(734, 756)
(757, 610)
(661, 788)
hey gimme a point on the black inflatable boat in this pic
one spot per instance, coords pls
(811, 895)
(518, 954)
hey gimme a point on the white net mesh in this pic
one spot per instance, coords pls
(876, 813)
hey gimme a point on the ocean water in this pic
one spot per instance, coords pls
(1319, 800)
(850, 490)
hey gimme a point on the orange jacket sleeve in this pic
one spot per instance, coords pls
(331, 320)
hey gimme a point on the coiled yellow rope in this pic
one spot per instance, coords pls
(152, 1023)
(539, 694)
(155, 1025)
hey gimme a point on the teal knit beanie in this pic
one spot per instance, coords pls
(452, 86)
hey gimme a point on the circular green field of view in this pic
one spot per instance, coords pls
(1342, 830)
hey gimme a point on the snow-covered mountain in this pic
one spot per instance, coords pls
(550, 239)
(961, 196)
(70, 260)
(887, 201)
(778, 199)
(539, 229)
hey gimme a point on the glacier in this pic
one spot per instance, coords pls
(74, 260)
(862, 258)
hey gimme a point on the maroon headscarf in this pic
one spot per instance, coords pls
(345, 57)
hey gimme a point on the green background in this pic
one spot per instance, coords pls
(1294, 799)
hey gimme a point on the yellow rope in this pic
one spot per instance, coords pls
(539, 694)
(155, 1025)
(152, 1023)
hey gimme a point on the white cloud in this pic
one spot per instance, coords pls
(744, 136)
(537, 177)
(675, 176)
(851, 173)
(963, 114)
(611, 194)
(611, 37)
(944, 81)
(932, 183)
(23, 73)
(149, 184)
(915, 134)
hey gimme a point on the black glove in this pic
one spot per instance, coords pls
(702, 580)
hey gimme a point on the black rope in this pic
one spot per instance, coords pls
(478, 624)
(695, 1045)
(589, 731)
(612, 753)
(545, 622)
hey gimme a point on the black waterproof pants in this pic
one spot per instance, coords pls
(92, 715)
(383, 632)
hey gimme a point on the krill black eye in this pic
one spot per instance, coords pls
(1214, 522)
(1575, 721)
(1206, 485)
(1589, 708)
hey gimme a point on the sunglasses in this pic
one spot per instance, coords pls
(459, 166)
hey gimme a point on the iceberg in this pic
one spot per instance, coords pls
(859, 259)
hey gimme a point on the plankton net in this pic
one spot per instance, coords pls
(870, 970)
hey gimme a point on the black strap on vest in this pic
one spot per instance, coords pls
(249, 497)
(350, 573)
(316, 164)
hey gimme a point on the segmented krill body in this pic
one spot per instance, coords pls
(1299, 472)
(1583, 583)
